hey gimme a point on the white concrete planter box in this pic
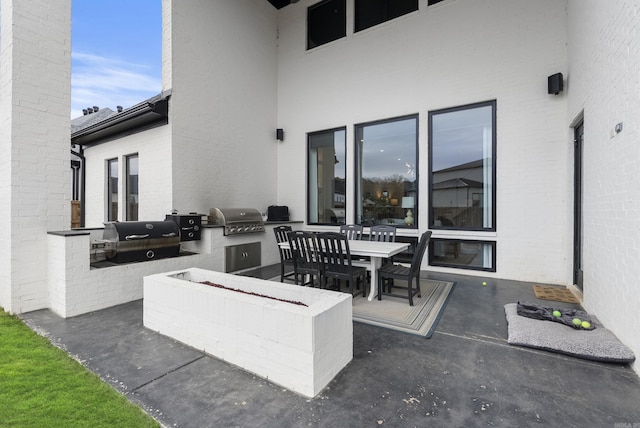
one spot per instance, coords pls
(299, 347)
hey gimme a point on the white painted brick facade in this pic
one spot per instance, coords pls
(239, 69)
(35, 91)
(301, 348)
(153, 148)
(604, 88)
(454, 53)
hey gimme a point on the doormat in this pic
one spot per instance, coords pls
(557, 294)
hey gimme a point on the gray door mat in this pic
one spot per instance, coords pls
(599, 344)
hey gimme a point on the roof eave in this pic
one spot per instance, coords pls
(142, 116)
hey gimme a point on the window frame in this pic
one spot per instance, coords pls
(431, 215)
(492, 244)
(358, 166)
(308, 175)
(112, 190)
(310, 28)
(128, 190)
(358, 14)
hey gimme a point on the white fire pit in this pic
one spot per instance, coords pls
(299, 347)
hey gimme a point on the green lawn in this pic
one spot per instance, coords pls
(41, 386)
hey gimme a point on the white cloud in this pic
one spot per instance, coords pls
(109, 82)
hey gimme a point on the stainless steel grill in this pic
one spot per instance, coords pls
(237, 220)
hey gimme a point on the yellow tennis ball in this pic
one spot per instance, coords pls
(577, 321)
(484, 283)
(585, 324)
(557, 313)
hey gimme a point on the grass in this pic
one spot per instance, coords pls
(41, 386)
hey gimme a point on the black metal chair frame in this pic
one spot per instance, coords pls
(336, 258)
(306, 258)
(392, 271)
(286, 256)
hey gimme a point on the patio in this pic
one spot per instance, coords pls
(464, 375)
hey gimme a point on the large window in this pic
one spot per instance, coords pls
(326, 22)
(326, 177)
(132, 187)
(386, 172)
(112, 190)
(462, 168)
(373, 12)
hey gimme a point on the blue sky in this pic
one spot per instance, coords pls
(116, 53)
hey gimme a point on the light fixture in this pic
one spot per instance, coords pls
(408, 202)
(555, 84)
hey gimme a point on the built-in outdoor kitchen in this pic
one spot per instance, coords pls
(96, 268)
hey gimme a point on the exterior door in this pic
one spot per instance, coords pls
(577, 205)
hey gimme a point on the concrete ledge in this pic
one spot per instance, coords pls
(299, 347)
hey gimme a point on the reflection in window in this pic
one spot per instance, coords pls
(326, 179)
(132, 187)
(112, 190)
(386, 184)
(476, 255)
(326, 22)
(373, 12)
(462, 167)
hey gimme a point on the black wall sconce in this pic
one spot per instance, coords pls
(280, 134)
(555, 83)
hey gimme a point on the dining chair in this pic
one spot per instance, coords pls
(306, 259)
(393, 271)
(286, 256)
(336, 259)
(352, 231)
(382, 232)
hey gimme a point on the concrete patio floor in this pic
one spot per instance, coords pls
(465, 375)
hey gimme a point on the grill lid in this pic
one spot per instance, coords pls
(237, 220)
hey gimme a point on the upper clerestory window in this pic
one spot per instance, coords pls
(374, 12)
(326, 22)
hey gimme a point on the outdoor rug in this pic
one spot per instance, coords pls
(395, 313)
(599, 344)
(558, 294)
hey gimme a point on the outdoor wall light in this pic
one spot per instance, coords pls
(555, 84)
(280, 134)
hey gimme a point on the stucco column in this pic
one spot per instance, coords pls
(35, 181)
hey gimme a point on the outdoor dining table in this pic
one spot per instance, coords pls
(377, 251)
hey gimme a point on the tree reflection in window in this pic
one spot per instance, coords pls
(386, 165)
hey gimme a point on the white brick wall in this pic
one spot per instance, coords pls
(223, 104)
(35, 92)
(301, 348)
(456, 52)
(604, 88)
(155, 175)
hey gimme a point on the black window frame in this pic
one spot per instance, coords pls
(319, 30)
(431, 217)
(387, 10)
(308, 175)
(358, 173)
(455, 241)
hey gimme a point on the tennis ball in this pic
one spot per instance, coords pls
(484, 283)
(557, 313)
(585, 324)
(577, 321)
